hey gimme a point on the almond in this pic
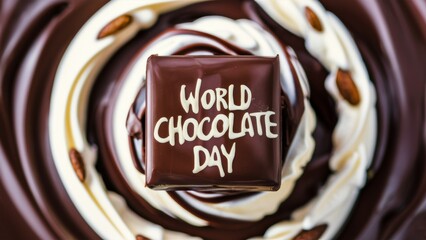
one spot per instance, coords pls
(140, 237)
(115, 26)
(77, 164)
(313, 234)
(313, 19)
(347, 87)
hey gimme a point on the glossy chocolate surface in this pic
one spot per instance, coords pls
(35, 34)
(235, 150)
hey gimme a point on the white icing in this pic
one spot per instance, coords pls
(178, 127)
(215, 125)
(229, 155)
(207, 99)
(213, 159)
(157, 130)
(194, 124)
(192, 100)
(202, 156)
(217, 95)
(106, 212)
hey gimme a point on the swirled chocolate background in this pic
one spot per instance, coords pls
(43, 39)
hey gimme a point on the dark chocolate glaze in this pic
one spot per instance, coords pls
(34, 34)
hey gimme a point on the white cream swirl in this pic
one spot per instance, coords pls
(107, 213)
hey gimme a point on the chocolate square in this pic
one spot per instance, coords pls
(213, 123)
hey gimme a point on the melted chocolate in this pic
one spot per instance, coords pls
(35, 34)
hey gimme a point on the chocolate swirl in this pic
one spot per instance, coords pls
(37, 204)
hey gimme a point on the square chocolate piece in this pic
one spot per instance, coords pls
(213, 123)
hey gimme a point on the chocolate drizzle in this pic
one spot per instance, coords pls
(34, 204)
